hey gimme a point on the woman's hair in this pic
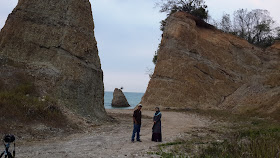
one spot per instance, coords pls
(157, 108)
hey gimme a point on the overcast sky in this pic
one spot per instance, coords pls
(127, 33)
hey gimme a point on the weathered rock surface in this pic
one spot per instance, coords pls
(201, 67)
(119, 99)
(53, 42)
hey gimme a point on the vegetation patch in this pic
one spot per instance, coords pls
(22, 107)
(170, 144)
(20, 104)
(230, 135)
(170, 150)
(247, 143)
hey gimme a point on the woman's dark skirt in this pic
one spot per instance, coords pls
(157, 137)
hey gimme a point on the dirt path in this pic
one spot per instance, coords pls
(114, 140)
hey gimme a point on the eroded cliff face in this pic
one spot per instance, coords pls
(201, 67)
(52, 41)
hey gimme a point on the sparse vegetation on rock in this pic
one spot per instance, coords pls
(197, 8)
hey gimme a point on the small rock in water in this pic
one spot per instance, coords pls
(119, 99)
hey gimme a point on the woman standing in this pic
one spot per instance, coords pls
(157, 126)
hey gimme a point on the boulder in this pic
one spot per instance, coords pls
(53, 43)
(119, 99)
(200, 67)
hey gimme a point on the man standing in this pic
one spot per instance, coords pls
(137, 124)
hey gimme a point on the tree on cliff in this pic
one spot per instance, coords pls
(255, 26)
(197, 8)
(155, 57)
(278, 33)
(225, 23)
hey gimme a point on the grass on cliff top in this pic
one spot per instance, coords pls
(22, 105)
(231, 136)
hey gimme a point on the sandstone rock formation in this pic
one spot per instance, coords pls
(201, 67)
(119, 99)
(53, 43)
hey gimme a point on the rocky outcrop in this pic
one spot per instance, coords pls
(201, 67)
(119, 99)
(53, 42)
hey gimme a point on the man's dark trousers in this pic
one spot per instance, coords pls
(136, 129)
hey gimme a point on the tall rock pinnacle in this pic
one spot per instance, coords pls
(55, 41)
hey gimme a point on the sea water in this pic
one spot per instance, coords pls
(132, 98)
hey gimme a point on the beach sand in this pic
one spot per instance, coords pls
(113, 139)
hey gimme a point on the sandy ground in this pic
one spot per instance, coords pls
(113, 140)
